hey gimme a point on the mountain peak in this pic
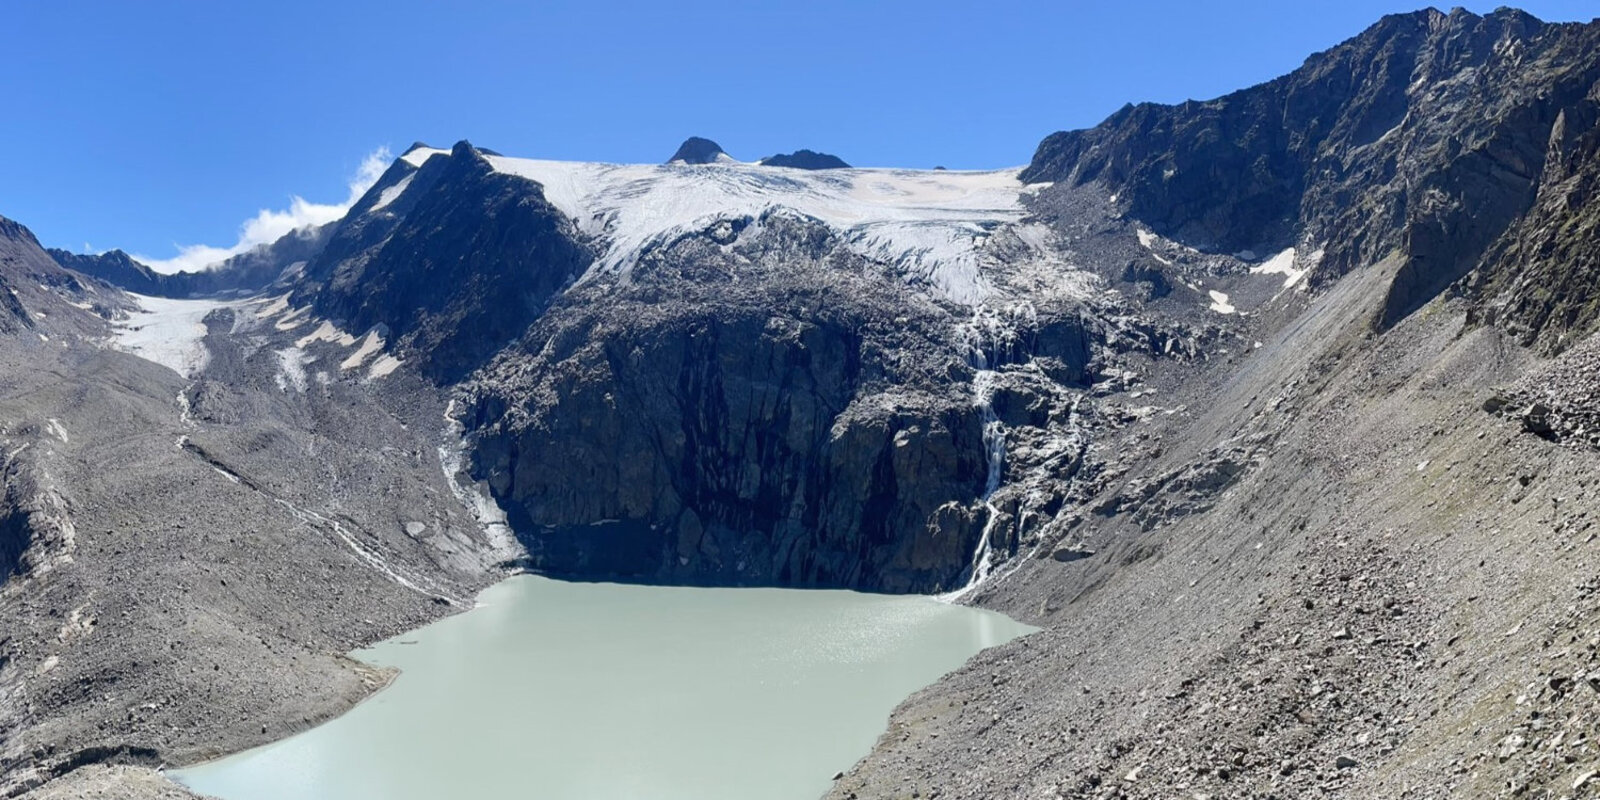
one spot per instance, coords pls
(805, 159)
(11, 229)
(696, 150)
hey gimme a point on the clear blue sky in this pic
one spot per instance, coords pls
(147, 125)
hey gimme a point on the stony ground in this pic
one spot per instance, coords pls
(222, 544)
(1398, 597)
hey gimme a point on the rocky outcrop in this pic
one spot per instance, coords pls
(36, 531)
(118, 269)
(805, 159)
(696, 150)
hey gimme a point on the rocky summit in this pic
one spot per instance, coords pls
(696, 150)
(1276, 413)
(805, 159)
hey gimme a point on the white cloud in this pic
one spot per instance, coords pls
(268, 226)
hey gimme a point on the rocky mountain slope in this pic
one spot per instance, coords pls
(1275, 411)
(1428, 133)
(190, 544)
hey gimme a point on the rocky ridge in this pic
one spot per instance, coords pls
(1428, 134)
(805, 159)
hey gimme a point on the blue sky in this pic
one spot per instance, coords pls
(147, 126)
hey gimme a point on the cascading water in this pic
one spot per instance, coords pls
(994, 445)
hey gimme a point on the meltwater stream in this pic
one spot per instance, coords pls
(560, 691)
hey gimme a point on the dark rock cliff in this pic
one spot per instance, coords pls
(799, 427)
(1541, 277)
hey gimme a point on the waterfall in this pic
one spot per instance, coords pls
(994, 445)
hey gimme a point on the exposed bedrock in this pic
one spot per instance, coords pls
(809, 425)
(738, 448)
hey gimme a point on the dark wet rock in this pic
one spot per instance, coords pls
(1070, 554)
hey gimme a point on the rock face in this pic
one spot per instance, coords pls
(457, 266)
(805, 159)
(1539, 278)
(36, 531)
(1428, 133)
(697, 432)
(696, 150)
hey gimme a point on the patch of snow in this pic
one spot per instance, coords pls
(383, 366)
(277, 306)
(57, 429)
(293, 319)
(475, 497)
(420, 156)
(1281, 264)
(1149, 241)
(168, 332)
(371, 344)
(1220, 304)
(392, 193)
(326, 333)
(292, 369)
(933, 223)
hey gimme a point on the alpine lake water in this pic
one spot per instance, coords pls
(561, 691)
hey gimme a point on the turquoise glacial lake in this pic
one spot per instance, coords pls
(594, 691)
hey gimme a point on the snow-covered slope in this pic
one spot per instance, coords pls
(419, 155)
(932, 224)
(168, 332)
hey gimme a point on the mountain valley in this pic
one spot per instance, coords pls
(1275, 412)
